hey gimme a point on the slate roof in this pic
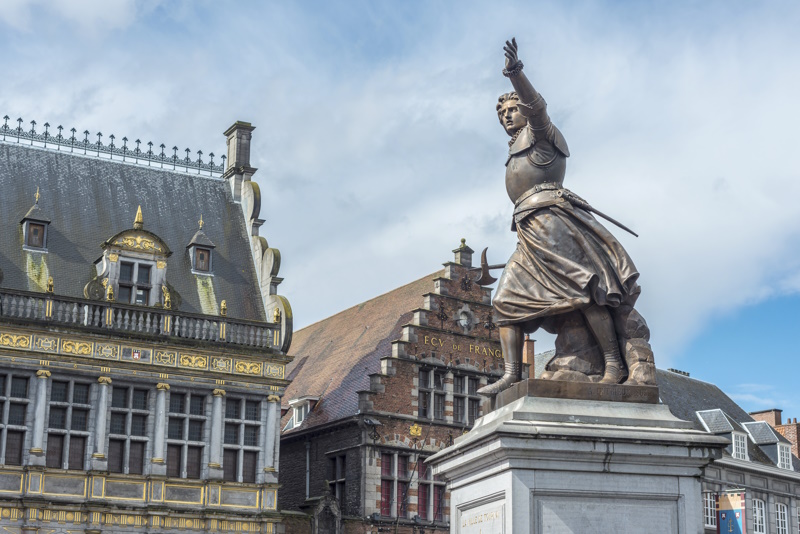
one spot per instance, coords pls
(334, 357)
(763, 434)
(90, 199)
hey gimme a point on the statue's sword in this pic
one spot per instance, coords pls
(578, 201)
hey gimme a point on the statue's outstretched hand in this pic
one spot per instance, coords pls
(511, 54)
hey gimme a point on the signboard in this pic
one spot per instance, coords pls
(730, 513)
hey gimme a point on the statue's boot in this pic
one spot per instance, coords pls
(602, 327)
(511, 340)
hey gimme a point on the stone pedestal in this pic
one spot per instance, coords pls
(544, 465)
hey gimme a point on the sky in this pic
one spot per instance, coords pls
(378, 147)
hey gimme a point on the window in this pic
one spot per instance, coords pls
(202, 259)
(186, 435)
(466, 403)
(431, 394)
(709, 509)
(128, 430)
(337, 476)
(241, 440)
(134, 282)
(403, 481)
(781, 519)
(35, 235)
(739, 446)
(68, 425)
(299, 412)
(784, 457)
(387, 484)
(759, 517)
(430, 494)
(14, 405)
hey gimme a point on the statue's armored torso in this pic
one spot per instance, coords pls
(533, 161)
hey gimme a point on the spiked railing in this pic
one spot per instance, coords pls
(73, 141)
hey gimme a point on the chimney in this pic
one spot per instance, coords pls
(463, 254)
(528, 354)
(772, 417)
(238, 162)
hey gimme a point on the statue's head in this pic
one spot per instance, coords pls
(509, 114)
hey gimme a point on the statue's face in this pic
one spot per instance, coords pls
(510, 117)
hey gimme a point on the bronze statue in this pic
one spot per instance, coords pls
(568, 275)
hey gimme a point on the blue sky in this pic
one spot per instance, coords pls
(378, 147)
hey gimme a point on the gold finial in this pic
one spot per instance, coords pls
(276, 315)
(110, 293)
(415, 430)
(37, 195)
(200, 222)
(50, 285)
(223, 308)
(167, 297)
(138, 222)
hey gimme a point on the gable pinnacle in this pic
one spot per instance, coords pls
(200, 222)
(37, 195)
(138, 222)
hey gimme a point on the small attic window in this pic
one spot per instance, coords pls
(34, 236)
(134, 283)
(739, 450)
(202, 259)
(784, 457)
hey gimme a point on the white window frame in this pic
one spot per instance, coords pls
(709, 509)
(781, 518)
(152, 295)
(759, 517)
(784, 457)
(739, 446)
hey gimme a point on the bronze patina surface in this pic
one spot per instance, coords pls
(569, 275)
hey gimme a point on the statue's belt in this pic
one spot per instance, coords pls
(550, 194)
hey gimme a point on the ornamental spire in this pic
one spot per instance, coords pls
(138, 222)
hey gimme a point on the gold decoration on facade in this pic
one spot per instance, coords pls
(167, 297)
(17, 341)
(161, 264)
(50, 284)
(274, 370)
(165, 357)
(36, 196)
(276, 315)
(138, 242)
(415, 431)
(273, 398)
(218, 392)
(163, 386)
(104, 282)
(138, 222)
(80, 348)
(221, 364)
(45, 344)
(43, 373)
(104, 380)
(200, 222)
(113, 257)
(193, 360)
(107, 350)
(223, 308)
(110, 293)
(248, 368)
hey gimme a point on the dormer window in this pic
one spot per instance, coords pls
(739, 446)
(201, 251)
(34, 228)
(35, 235)
(784, 457)
(134, 283)
(202, 259)
(300, 409)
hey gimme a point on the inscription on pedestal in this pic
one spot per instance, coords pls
(558, 389)
(484, 519)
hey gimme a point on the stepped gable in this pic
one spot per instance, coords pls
(90, 199)
(333, 358)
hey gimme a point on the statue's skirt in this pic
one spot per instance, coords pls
(565, 260)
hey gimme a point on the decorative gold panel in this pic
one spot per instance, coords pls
(164, 357)
(274, 370)
(106, 350)
(80, 348)
(45, 343)
(221, 364)
(17, 341)
(138, 242)
(248, 368)
(195, 361)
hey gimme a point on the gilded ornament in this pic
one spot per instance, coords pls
(138, 222)
(15, 340)
(81, 348)
(105, 350)
(104, 380)
(273, 398)
(221, 364)
(43, 373)
(274, 371)
(161, 264)
(415, 430)
(248, 368)
(167, 297)
(165, 358)
(218, 392)
(193, 360)
(276, 315)
(162, 386)
(113, 257)
(50, 284)
(110, 293)
(223, 308)
(46, 344)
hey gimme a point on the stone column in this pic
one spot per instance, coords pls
(449, 400)
(215, 455)
(270, 443)
(39, 410)
(99, 457)
(159, 444)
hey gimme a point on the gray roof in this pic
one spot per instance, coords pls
(716, 421)
(763, 434)
(89, 199)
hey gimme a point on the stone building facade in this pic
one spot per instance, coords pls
(142, 340)
(375, 390)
